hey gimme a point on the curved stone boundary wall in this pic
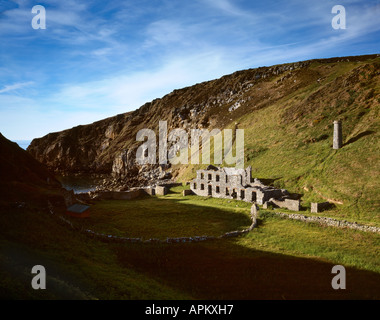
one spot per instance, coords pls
(330, 222)
(111, 238)
(253, 215)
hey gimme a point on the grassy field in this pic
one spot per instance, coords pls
(76, 267)
(281, 259)
(162, 217)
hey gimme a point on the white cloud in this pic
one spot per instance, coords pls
(165, 32)
(123, 93)
(104, 65)
(227, 7)
(16, 86)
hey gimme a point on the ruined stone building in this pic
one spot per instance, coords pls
(231, 183)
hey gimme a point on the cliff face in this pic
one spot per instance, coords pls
(109, 146)
(77, 149)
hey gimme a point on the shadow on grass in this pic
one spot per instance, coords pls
(269, 182)
(359, 136)
(222, 269)
(162, 217)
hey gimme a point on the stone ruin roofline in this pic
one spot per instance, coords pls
(231, 183)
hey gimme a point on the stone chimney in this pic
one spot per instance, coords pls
(248, 174)
(337, 140)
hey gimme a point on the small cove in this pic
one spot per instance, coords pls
(80, 183)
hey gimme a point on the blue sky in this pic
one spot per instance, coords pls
(96, 59)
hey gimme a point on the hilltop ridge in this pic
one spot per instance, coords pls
(287, 112)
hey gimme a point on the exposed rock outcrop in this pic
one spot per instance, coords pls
(109, 146)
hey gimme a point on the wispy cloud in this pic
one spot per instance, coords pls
(229, 8)
(96, 60)
(15, 86)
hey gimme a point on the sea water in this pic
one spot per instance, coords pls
(79, 183)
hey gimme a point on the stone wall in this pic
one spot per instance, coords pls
(254, 214)
(329, 222)
(265, 194)
(171, 184)
(111, 238)
(290, 204)
(122, 195)
(187, 193)
(319, 207)
(127, 195)
(150, 191)
(161, 190)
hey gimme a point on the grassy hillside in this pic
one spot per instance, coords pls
(30, 235)
(287, 112)
(23, 178)
(289, 142)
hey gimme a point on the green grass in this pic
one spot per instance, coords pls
(76, 267)
(175, 216)
(281, 256)
(290, 142)
(162, 217)
(280, 259)
(296, 238)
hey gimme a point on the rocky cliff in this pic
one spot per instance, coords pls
(109, 146)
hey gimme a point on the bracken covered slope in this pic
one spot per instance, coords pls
(24, 180)
(287, 112)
